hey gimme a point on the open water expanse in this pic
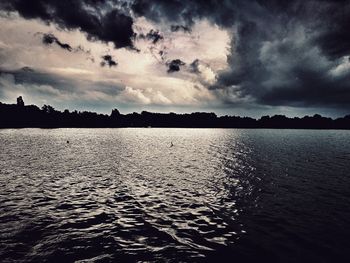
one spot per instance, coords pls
(125, 195)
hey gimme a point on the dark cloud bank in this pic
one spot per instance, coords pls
(99, 19)
(285, 53)
(59, 84)
(282, 52)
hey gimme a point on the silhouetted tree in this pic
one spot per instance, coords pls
(20, 101)
(48, 109)
(115, 114)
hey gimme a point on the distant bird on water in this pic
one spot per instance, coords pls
(171, 144)
(67, 141)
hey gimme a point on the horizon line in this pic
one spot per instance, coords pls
(171, 112)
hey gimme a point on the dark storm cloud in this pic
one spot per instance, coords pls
(30, 76)
(108, 60)
(49, 39)
(334, 22)
(56, 84)
(174, 65)
(176, 28)
(315, 88)
(97, 18)
(289, 60)
(282, 52)
(185, 12)
(152, 35)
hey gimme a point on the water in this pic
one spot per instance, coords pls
(120, 195)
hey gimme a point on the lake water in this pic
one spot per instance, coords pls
(120, 195)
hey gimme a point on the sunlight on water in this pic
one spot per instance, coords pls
(128, 194)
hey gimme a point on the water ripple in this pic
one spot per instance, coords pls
(125, 195)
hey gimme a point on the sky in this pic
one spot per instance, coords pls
(235, 57)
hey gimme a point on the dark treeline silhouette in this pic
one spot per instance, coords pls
(19, 116)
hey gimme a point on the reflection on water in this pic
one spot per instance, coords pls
(125, 194)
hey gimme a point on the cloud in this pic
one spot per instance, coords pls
(49, 39)
(194, 66)
(282, 53)
(174, 65)
(144, 97)
(108, 60)
(152, 35)
(256, 54)
(61, 88)
(186, 12)
(29, 76)
(342, 69)
(10, 89)
(134, 96)
(73, 73)
(176, 28)
(206, 75)
(99, 20)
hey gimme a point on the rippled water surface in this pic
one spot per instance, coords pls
(120, 195)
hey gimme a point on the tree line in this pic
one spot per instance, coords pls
(20, 116)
